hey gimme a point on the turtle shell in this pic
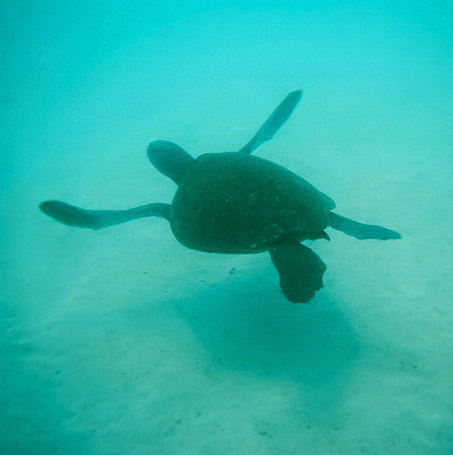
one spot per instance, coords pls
(238, 203)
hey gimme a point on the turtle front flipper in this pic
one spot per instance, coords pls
(299, 268)
(276, 120)
(97, 219)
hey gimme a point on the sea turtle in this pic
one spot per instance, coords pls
(238, 203)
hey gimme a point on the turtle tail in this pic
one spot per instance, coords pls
(361, 231)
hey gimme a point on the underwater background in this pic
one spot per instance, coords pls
(121, 341)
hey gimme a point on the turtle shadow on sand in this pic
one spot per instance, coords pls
(251, 332)
(237, 203)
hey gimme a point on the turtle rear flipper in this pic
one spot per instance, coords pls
(299, 268)
(276, 120)
(97, 219)
(361, 231)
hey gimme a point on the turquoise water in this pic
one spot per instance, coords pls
(121, 341)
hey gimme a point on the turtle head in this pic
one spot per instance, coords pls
(169, 159)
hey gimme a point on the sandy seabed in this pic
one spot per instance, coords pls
(123, 342)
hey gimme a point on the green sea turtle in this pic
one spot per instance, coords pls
(238, 203)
